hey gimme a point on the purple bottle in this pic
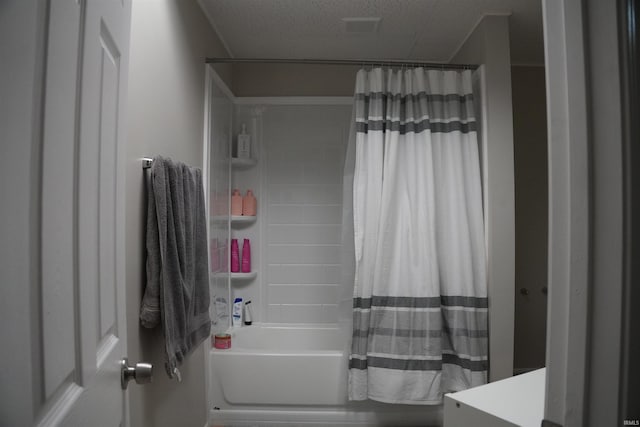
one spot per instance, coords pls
(235, 256)
(246, 256)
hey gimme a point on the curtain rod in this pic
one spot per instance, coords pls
(362, 62)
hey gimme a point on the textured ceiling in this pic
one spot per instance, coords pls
(430, 30)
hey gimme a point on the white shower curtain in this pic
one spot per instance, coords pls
(420, 299)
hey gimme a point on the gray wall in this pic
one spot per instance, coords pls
(169, 41)
(293, 80)
(530, 157)
(22, 52)
(488, 45)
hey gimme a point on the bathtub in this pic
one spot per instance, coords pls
(276, 365)
(278, 374)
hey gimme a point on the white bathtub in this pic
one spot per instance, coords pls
(294, 374)
(275, 365)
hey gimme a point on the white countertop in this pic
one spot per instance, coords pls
(516, 401)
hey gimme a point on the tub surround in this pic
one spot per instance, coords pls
(298, 151)
(270, 364)
(288, 374)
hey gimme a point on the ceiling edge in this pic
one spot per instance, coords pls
(473, 29)
(215, 28)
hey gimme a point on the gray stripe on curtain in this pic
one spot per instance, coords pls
(471, 320)
(418, 364)
(415, 127)
(431, 339)
(413, 107)
(422, 333)
(418, 326)
(413, 97)
(421, 302)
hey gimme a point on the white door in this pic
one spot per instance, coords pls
(82, 223)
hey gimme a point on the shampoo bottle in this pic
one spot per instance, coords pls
(244, 144)
(236, 203)
(235, 256)
(249, 204)
(236, 315)
(246, 256)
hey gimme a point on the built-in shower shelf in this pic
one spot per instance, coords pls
(244, 276)
(238, 162)
(243, 219)
(235, 219)
(237, 276)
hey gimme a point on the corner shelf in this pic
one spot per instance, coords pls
(235, 219)
(243, 219)
(244, 276)
(237, 276)
(238, 162)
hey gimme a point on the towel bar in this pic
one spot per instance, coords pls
(146, 162)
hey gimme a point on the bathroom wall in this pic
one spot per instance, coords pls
(488, 44)
(169, 41)
(531, 192)
(21, 73)
(304, 149)
(296, 241)
(293, 80)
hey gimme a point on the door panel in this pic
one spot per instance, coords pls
(109, 89)
(58, 147)
(82, 227)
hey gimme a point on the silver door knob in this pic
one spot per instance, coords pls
(141, 372)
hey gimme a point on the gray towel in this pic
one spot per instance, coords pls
(177, 290)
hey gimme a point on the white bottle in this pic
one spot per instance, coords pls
(236, 314)
(244, 144)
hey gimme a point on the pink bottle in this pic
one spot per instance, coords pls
(235, 256)
(249, 204)
(246, 256)
(236, 203)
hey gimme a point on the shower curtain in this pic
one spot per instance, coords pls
(420, 298)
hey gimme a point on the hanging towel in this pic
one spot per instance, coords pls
(177, 289)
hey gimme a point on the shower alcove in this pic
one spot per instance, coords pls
(290, 366)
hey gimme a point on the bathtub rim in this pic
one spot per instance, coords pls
(274, 325)
(340, 328)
